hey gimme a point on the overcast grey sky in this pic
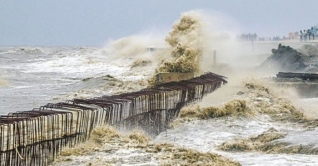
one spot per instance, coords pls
(94, 22)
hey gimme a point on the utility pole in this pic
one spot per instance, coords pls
(214, 59)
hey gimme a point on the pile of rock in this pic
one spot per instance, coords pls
(285, 59)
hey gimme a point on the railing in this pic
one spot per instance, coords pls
(36, 137)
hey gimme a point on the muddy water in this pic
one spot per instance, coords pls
(209, 134)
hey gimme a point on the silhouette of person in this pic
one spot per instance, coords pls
(305, 35)
(309, 33)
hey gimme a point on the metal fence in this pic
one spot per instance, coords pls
(37, 136)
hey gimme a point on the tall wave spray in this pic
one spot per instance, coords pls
(187, 42)
(188, 47)
(193, 39)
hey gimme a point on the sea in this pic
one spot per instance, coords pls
(34, 76)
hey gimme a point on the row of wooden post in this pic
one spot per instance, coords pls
(37, 136)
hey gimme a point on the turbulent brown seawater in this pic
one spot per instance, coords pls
(106, 141)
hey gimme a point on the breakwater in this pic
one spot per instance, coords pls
(37, 136)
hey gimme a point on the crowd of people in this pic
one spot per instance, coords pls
(253, 37)
(248, 37)
(305, 35)
(302, 35)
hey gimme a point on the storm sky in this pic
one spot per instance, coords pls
(95, 22)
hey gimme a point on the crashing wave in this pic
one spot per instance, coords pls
(186, 41)
(107, 141)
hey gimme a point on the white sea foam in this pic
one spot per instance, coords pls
(207, 134)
